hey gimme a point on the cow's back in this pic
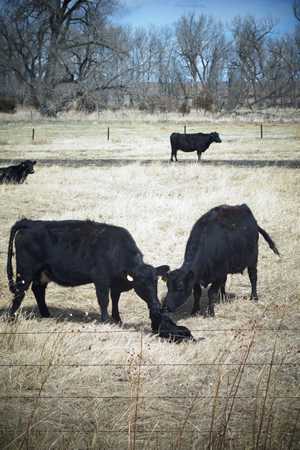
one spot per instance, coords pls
(85, 243)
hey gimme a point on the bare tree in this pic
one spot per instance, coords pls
(51, 44)
(56, 52)
(203, 50)
(251, 59)
(296, 9)
(143, 60)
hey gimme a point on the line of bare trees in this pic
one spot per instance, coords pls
(61, 54)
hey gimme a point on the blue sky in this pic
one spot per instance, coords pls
(166, 12)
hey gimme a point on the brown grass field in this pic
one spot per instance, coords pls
(71, 382)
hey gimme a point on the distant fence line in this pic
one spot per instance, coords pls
(141, 397)
(53, 365)
(102, 162)
(151, 431)
(138, 331)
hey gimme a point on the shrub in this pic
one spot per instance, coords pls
(8, 106)
(205, 101)
(184, 108)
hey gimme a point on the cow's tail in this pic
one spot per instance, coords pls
(10, 274)
(271, 243)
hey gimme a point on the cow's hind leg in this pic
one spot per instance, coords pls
(173, 153)
(39, 291)
(252, 271)
(197, 296)
(19, 289)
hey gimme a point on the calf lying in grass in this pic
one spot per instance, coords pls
(167, 329)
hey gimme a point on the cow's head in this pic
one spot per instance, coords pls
(27, 166)
(215, 137)
(180, 284)
(144, 282)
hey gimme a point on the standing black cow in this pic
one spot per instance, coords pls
(16, 174)
(192, 142)
(73, 253)
(222, 241)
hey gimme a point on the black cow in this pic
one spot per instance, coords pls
(222, 241)
(192, 142)
(167, 329)
(73, 253)
(16, 174)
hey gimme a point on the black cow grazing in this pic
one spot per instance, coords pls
(167, 329)
(222, 241)
(16, 174)
(73, 253)
(192, 142)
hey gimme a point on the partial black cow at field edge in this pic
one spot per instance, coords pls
(16, 174)
(222, 241)
(192, 142)
(73, 253)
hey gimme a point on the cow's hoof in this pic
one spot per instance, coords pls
(117, 322)
(13, 318)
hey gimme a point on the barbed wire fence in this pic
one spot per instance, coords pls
(114, 398)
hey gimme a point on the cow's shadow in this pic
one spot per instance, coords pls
(185, 310)
(76, 316)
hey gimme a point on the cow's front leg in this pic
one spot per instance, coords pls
(197, 296)
(115, 296)
(223, 290)
(213, 296)
(103, 298)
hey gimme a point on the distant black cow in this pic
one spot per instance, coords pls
(16, 174)
(192, 142)
(73, 253)
(167, 329)
(222, 241)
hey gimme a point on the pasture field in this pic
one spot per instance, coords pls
(71, 382)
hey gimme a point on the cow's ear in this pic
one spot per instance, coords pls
(126, 275)
(34, 162)
(162, 270)
(193, 274)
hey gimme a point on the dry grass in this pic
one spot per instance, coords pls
(135, 135)
(72, 382)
